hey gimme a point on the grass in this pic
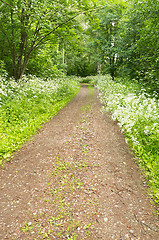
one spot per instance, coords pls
(91, 90)
(89, 80)
(137, 114)
(61, 200)
(26, 105)
(68, 205)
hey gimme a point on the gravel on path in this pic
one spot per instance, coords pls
(76, 179)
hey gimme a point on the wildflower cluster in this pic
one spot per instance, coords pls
(137, 114)
(25, 105)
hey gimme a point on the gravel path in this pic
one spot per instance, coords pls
(76, 179)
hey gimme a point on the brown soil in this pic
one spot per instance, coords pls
(76, 179)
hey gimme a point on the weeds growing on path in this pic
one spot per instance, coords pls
(67, 209)
(137, 114)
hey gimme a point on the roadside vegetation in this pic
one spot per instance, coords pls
(137, 114)
(26, 105)
(82, 38)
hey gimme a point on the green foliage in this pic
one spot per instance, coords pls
(137, 113)
(3, 71)
(46, 62)
(78, 56)
(27, 25)
(139, 44)
(26, 105)
(122, 40)
(80, 65)
(103, 31)
(81, 38)
(92, 80)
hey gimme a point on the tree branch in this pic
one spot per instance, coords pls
(64, 23)
(6, 3)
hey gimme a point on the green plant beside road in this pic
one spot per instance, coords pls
(137, 114)
(90, 80)
(26, 105)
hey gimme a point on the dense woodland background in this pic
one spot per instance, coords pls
(48, 38)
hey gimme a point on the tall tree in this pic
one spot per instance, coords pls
(27, 24)
(139, 43)
(103, 30)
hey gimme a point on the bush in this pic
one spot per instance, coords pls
(26, 105)
(137, 114)
(3, 72)
(89, 80)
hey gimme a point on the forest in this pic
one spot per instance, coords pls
(50, 38)
(48, 47)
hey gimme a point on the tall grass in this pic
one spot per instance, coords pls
(26, 105)
(137, 114)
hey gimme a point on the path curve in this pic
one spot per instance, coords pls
(77, 165)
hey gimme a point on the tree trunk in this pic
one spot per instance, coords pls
(23, 68)
(13, 46)
(64, 60)
(22, 46)
(26, 59)
(98, 68)
(63, 57)
(66, 65)
(112, 68)
(21, 50)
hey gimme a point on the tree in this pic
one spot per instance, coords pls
(103, 30)
(139, 44)
(25, 25)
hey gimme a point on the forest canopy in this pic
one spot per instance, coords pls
(49, 38)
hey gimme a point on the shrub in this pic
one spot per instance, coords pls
(137, 114)
(26, 105)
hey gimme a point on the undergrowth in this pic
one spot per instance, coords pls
(26, 105)
(90, 80)
(137, 114)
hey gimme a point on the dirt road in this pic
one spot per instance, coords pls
(76, 179)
